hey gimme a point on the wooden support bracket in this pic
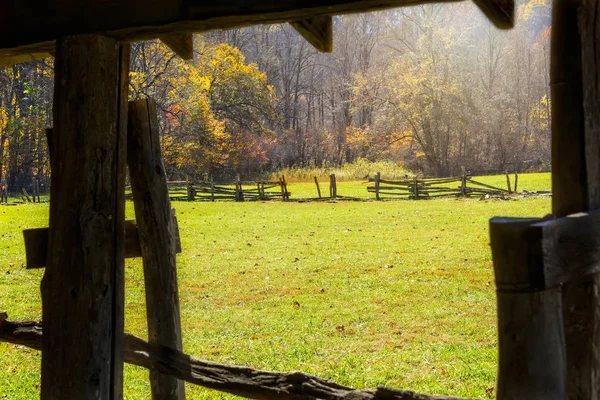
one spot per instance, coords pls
(182, 44)
(36, 244)
(318, 31)
(532, 254)
(500, 12)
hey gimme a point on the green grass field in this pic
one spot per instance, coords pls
(396, 293)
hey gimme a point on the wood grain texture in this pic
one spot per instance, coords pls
(241, 381)
(32, 27)
(576, 173)
(532, 254)
(36, 243)
(156, 233)
(318, 31)
(81, 285)
(531, 347)
(181, 44)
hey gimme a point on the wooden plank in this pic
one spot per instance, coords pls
(32, 27)
(156, 235)
(576, 174)
(318, 31)
(181, 44)
(82, 286)
(36, 244)
(240, 381)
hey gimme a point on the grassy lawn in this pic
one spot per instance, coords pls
(396, 293)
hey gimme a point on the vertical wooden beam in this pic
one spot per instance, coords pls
(82, 288)
(531, 347)
(576, 173)
(157, 239)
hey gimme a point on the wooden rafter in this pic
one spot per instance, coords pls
(28, 28)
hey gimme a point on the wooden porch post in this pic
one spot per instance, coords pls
(576, 174)
(82, 288)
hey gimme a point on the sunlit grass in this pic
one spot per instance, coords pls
(396, 293)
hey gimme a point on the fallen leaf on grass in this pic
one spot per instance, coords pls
(296, 304)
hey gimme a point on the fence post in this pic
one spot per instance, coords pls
(318, 188)
(463, 182)
(508, 182)
(191, 192)
(212, 190)
(416, 189)
(34, 189)
(239, 194)
(377, 178)
(333, 186)
(516, 181)
(330, 185)
(286, 195)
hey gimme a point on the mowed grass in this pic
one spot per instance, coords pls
(396, 293)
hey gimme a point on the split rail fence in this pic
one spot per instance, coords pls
(238, 190)
(421, 189)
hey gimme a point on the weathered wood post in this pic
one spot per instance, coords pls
(508, 182)
(377, 179)
(239, 193)
(516, 182)
(463, 181)
(191, 190)
(157, 238)
(416, 188)
(284, 189)
(332, 186)
(82, 288)
(575, 88)
(531, 357)
(318, 188)
(212, 190)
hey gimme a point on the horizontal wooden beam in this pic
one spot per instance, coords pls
(555, 251)
(240, 381)
(36, 244)
(30, 27)
(318, 31)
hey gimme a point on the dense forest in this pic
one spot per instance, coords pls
(432, 88)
